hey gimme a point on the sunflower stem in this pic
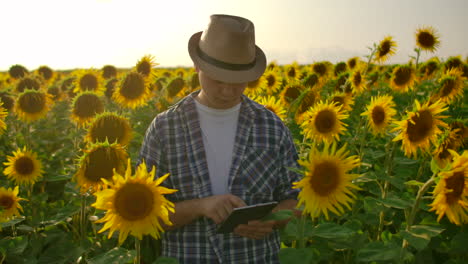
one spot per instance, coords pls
(138, 251)
(418, 53)
(415, 207)
(83, 218)
(301, 230)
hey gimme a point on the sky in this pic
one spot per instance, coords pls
(70, 34)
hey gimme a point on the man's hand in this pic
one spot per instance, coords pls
(218, 207)
(255, 229)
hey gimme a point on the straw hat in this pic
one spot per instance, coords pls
(226, 50)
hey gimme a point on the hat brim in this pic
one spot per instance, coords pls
(224, 75)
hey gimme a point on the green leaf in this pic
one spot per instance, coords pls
(58, 178)
(378, 251)
(14, 245)
(420, 235)
(434, 167)
(414, 183)
(116, 255)
(166, 260)
(12, 222)
(331, 231)
(297, 255)
(279, 215)
(394, 202)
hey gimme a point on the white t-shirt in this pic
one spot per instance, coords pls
(218, 128)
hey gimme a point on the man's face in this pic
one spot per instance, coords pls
(217, 94)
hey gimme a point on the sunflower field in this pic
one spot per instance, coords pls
(382, 152)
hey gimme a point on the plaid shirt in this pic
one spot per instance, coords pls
(263, 149)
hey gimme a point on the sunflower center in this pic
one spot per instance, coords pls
(144, 68)
(325, 178)
(88, 82)
(133, 86)
(292, 72)
(352, 64)
(24, 166)
(325, 121)
(426, 39)
(456, 184)
(378, 115)
(101, 164)
(320, 69)
(422, 126)
(28, 83)
(109, 127)
(174, 87)
(357, 78)
(87, 105)
(271, 80)
(447, 87)
(339, 100)
(384, 48)
(6, 202)
(311, 80)
(32, 102)
(339, 68)
(134, 201)
(402, 76)
(291, 94)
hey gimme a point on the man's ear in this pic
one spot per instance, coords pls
(196, 68)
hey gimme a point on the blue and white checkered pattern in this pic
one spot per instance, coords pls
(263, 149)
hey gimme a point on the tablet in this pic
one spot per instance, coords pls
(242, 215)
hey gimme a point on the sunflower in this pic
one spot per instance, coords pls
(134, 204)
(110, 87)
(27, 82)
(451, 192)
(292, 72)
(46, 73)
(358, 80)
(98, 162)
(380, 113)
(453, 62)
(342, 99)
(9, 203)
(273, 104)
(132, 91)
(403, 78)
(309, 100)
(254, 88)
(23, 167)
(311, 80)
(109, 72)
(291, 92)
(85, 106)
(323, 122)
(339, 68)
(174, 87)
(353, 62)
(273, 81)
(55, 93)
(430, 67)
(110, 126)
(461, 131)
(194, 81)
(17, 71)
(427, 39)
(8, 101)
(385, 49)
(448, 141)
(327, 184)
(342, 83)
(3, 115)
(145, 65)
(421, 127)
(322, 69)
(32, 105)
(88, 80)
(451, 85)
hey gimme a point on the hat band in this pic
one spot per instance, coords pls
(224, 65)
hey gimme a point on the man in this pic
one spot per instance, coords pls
(222, 151)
